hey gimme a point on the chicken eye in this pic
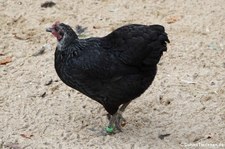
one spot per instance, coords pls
(61, 33)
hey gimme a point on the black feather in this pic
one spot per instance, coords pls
(114, 69)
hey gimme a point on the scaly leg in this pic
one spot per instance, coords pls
(116, 120)
(123, 107)
(121, 110)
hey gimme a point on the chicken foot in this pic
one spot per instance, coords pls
(116, 120)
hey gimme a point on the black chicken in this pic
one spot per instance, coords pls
(112, 70)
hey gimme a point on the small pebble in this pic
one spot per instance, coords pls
(42, 50)
(213, 83)
(43, 94)
(163, 136)
(49, 82)
(48, 4)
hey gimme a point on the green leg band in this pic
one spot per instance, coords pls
(109, 129)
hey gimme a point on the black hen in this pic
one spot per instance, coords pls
(112, 70)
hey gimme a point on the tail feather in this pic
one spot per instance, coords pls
(138, 44)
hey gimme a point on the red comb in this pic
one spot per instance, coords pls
(56, 23)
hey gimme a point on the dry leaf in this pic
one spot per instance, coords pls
(26, 136)
(172, 19)
(6, 60)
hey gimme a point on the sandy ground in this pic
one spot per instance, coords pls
(186, 100)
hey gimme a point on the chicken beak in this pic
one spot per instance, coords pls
(50, 29)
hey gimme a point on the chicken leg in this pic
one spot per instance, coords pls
(116, 120)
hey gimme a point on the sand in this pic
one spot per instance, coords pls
(186, 101)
